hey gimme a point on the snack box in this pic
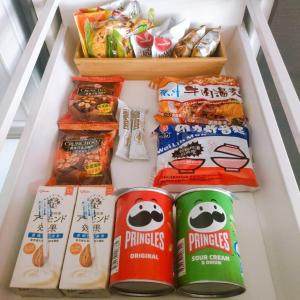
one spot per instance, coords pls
(39, 263)
(150, 68)
(86, 266)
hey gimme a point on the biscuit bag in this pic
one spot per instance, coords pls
(163, 44)
(199, 100)
(93, 103)
(204, 156)
(185, 46)
(83, 158)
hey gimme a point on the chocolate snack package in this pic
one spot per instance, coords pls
(83, 158)
(95, 98)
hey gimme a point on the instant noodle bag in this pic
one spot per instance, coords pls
(204, 156)
(93, 104)
(83, 158)
(199, 100)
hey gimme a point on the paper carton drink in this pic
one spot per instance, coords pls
(40, 259)
(86, 266)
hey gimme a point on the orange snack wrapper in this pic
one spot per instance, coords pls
(83, 158)
(200, 100)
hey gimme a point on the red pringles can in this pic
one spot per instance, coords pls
(142, 256)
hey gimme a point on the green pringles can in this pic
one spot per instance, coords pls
(208, 259)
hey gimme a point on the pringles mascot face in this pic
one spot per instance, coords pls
(207, 217)
(145, 215)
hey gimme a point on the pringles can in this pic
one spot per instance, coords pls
(208, 258)
(142, 256)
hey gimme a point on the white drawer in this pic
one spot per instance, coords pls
(267, 220)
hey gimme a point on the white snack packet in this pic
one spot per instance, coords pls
(124, 131)
(142, 42)
(137, 145)
(164, 43)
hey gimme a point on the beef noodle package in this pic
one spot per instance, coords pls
(83, 158)
(204, 155)
(199, 100)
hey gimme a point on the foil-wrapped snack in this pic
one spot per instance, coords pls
(185, 46)
(208, 44)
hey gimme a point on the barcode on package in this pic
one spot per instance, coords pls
(116, 255)
(181, 257)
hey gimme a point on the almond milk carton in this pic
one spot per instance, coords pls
(86, 266)
(38, 267)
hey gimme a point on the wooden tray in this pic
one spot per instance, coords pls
(149, 68)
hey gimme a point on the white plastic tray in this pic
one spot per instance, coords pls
(267, 220)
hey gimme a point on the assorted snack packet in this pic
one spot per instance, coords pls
(93, 104)
(208, 44)
(83, 158)
(105, 31)
(199, 100)
(118, 40)
(185, 46)
(142, 43)
(163, 44)
(204, 155)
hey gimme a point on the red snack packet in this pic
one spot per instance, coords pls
(83, 158)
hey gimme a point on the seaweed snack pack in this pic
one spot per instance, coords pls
(204, 156)
(83, 158)
(200, 100)
(93, 104)
(185, 46)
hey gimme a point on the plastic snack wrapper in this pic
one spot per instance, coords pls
(94, 31)
(83, 158)
(124, 131)
(92, 104)
(185, 46)
(164, 43)
(208, 44)
(204, 156)
(142, 43)
(119, 41)
(137, 146)
(199, 100)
